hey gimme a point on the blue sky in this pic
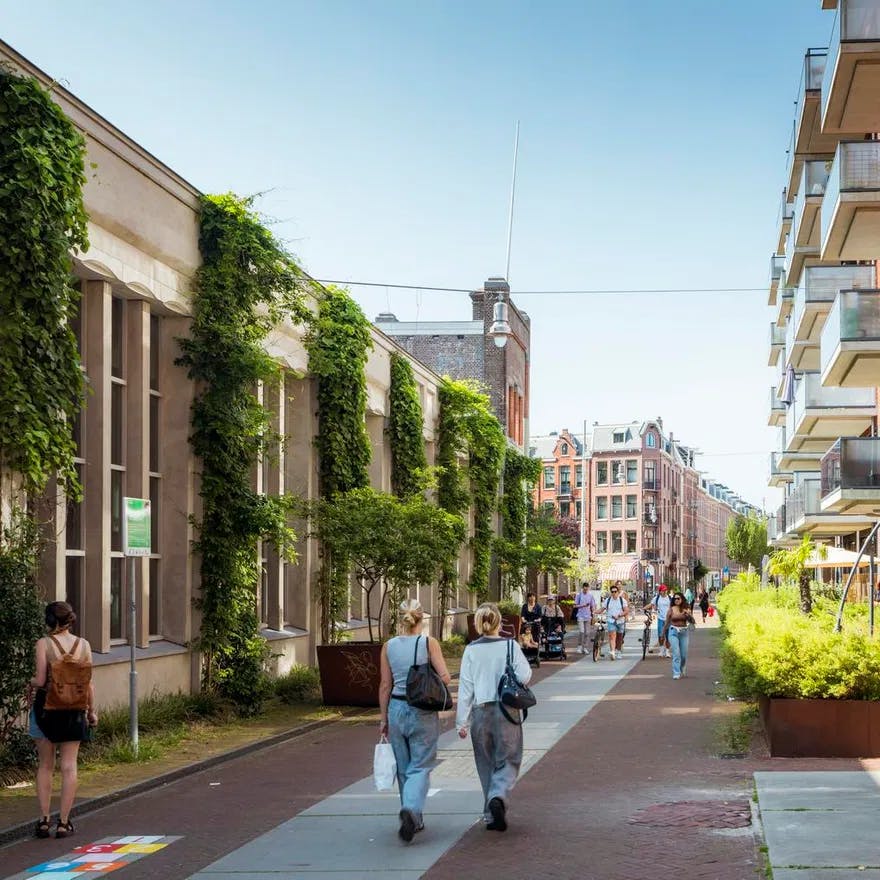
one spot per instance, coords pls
(652, 151)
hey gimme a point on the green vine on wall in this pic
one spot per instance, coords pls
(338, 343)
(409, 464)
(520, 473)
(246, 285)
(42, 219)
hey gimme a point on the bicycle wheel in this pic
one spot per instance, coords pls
(646, 640)
(596, 642)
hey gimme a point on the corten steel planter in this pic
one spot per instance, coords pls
(350, 673)
(510, 626)
(821, 728)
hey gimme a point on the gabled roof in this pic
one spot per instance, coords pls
(544, 445)
(603, 437)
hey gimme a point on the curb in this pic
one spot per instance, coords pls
(25, 830)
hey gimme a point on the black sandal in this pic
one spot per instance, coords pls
(42, 829)
(64, 829)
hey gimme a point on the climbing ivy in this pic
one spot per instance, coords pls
(246, 285)
(338, 343)
(408, 461)
(42, 219)
(520, 472)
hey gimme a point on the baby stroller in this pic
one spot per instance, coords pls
(530, 642)
(553, 639)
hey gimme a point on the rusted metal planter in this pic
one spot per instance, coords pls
(821, 728)
(350, 673)
(510, 626)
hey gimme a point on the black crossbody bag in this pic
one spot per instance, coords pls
(424, 687)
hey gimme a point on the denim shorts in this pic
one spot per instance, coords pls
(33, 729)
(616, 626)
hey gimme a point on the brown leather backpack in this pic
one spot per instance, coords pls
(68, 681)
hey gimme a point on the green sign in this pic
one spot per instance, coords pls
(136, 529)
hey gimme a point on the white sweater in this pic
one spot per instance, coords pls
(481, 669)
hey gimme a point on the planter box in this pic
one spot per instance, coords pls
(510, 626)
(350, 673)
(821, 728)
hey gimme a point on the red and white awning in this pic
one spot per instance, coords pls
(625, 570)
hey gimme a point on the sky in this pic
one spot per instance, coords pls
(380, 132)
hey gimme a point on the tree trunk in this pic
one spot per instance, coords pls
(806, 594)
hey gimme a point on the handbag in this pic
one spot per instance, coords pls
(512, 693)
(424, 687)
(384, 765)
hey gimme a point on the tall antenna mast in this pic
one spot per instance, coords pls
(512, 194)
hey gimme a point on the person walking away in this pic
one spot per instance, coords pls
(616, 610)
(412, 732)
(62, 711)
(703, 602)
(660, 604)
(586, 608)
(689, 598)
(531, 612)
(497, 742)
(677, 632)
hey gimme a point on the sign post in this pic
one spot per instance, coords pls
(136, 541)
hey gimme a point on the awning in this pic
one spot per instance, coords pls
(627, 570)
(837, 557)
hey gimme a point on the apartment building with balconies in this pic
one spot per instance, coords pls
(825, 333)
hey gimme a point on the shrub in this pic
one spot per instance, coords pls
(453, 646)
(301, 685)
(508, 606)
(772, 650)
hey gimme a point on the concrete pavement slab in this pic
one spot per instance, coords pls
(825, 874)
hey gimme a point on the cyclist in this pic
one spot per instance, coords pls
(586, 608)
(660, 604)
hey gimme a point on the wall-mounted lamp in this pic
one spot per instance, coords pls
(500, 329)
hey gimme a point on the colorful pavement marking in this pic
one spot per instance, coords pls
(101, 857)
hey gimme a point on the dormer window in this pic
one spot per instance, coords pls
(565, 449)
(651, 439)
(618, 437)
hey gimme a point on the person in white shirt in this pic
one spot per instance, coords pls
(660, 603)
(586, 608)
(497, 742)
(616, 610)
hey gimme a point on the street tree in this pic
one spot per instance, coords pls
(747, 540)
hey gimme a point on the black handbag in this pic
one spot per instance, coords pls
(424, 687)
(512, 693)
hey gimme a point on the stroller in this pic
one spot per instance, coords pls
(553, 639)
(530, 637)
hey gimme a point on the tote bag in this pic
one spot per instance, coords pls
(384, 765)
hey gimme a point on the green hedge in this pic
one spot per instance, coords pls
(771, 649)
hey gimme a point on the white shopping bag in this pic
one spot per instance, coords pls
(384, 766)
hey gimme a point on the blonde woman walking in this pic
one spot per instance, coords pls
(497, 743)
(412, 732)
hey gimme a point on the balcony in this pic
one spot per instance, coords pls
(778, 476)
(564, 490)
(851, 81)
(777, 410)
(816, 293)
(651, 484)
(651, 517)
(851, 476)
(650, 554)
(818, 416)
(803, 238)
(783, 221)
(777, 343)
(807, 139)
(784, 306)
(851, 341)
(800, 354)
(777, 265)
(851, 206)
(805, 512)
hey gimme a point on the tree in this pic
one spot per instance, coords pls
(545, 549)
(700, 570)
(792, 566)
(747, 540)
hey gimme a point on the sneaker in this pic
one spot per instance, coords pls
(580, 649)
(499, 815)
(676, 677)
(613, 655)
(407, 826)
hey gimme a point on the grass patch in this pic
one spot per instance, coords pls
(733, 734)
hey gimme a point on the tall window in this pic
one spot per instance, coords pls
(155, 610)
(565, 508)
(564, 449)
(602, 473)
(118, 597)
(651, 439)
(577, 509)
(579, 475)
(632, 471)
(631, 507)
(602, 507)
(616, 542)
(617, 472)
(616, 507)
(75, 546)
(565, 478)
(601, 542)
(630, 542)
(650, 474)
(549, 478)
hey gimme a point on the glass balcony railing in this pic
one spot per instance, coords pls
(776, 405)
(810, 394)
(852, 463)
(805, 500)
(821, 284)
(772, 529)
(786, 209)
(777, 265)
(813, 181)
(854, 317)
(780, 520)
(777, 335)
(855, 21)
(856, 168)
(812, 73)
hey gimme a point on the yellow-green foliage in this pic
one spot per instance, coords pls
(771, 649)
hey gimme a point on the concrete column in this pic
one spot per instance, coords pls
(95, 613)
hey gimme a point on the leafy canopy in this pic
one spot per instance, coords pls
(747, 540)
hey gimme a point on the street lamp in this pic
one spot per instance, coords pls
(500, 329)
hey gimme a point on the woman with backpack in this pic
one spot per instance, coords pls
(413, 732)
(62, 712)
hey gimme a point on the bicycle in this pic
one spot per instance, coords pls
(599, 635)
(646, 634)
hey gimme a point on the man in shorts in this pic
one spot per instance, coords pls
(616, 611)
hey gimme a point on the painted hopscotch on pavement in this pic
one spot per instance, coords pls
(102, 857)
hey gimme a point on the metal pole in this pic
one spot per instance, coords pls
(132, 640)
(871, 581)
(584, 492)
(512, 194)
(838, 623)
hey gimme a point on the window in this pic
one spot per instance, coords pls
(564, 449)
(602, 507)
(631, 507)
(650, 475)
(619, 436)
(617, 474)
(616, 507)
(577, 509)
(579, 475)
(651, 440)
(565, 508)
(118, 401)
(616, 542)
(75, 546)
(601, 542)
(602, 473)
(549, 507)
(630, 542)
(565, 478)
(549, 478)
(632, 471)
